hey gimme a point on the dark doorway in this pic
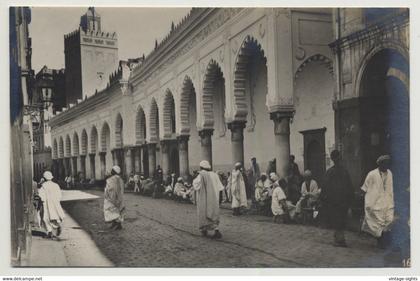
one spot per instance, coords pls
(145, 159)
(174, 158)
(384, 99)
(314, 152)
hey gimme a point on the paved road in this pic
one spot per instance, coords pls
(163, 233)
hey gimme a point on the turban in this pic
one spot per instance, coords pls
(205, 165)
(307, 174)
(116, 169)
(274, 176)
(238, 164)
(179, 179)
(383, 158)
(48, 175)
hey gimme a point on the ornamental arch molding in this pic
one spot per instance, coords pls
(153, 121)
(140, 125)
(187, 92)
(93, 140)
(364, 62)
(60, 148)
(67, 147)
(318, 58)
(119, 126)
(250, 48)
(169, 123)
(212, 74)
(75, 144)
(105, 137)
(84, 143)
(55, 149)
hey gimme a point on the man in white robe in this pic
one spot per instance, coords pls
(53, 214)
(238, 190)
(379, 201)
(114, 199)
(208, 186)
(310, 192)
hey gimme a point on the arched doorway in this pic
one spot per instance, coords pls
(384, 99)
(189, 139)
(213, 137)
(119, 143)
(250, 92)
(314, 114)
(169, 159)
(385, 112)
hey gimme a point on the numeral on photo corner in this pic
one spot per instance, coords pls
(406, 262)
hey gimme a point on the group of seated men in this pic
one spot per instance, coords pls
(173, 187)
(299, 197)
(292, 199)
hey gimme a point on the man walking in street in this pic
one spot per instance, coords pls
(208, 185)
(337, 195)
(113, 199)
(379, 201)
(238, 190)
(53, 214)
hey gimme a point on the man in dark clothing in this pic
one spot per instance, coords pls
(336, 195)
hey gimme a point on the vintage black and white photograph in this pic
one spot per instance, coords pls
(209, 137)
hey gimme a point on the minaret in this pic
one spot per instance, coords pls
(91, 55)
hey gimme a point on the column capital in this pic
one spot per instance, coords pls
(92, 154)
(236, 125)
(102, 153)
(183, 138)
(152, 144)
(282, 122)
(205, 132)
(278, 115)
(183, 142)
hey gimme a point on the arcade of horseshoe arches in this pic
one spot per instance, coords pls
(226, 85)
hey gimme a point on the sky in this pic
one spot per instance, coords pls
(137, 30)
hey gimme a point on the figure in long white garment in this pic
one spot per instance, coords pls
(208, 186)
(379, 201)
(237, 186)
(53, 214)
(113, 199)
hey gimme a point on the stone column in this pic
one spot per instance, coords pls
(102, 159)
(62, 171)
(74, 166)
(114, 157)
(128, 161)
(144, 157)
(206, 147)
(137, 159)
(164, 149)
(92, 166)
(282, 140)
(184, 167)
(83, 166)
(151, 149)
(66, 165)
(237, 139)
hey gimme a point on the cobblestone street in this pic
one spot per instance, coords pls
(162, 233)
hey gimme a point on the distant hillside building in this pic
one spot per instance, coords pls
(91, 55)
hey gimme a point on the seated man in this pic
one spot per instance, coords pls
(168, 191)
(130, 181)
(136, 180)
(310, 193)
(262, 193)
(283, 210)
(180, 190)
